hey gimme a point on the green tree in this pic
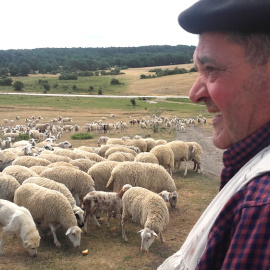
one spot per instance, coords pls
(46, 86)
(100, 92)
(114, 82)
(24, 69)
(18, 85)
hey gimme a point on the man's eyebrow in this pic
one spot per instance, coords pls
(205, 59)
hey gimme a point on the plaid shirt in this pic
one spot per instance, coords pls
(240, 236)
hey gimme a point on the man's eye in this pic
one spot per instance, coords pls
(209, 70)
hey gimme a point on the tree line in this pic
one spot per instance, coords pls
(88, 60)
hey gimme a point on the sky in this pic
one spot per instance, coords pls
(29, 24)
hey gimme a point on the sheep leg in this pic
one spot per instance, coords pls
(109, 214)
(77, 199)
(3, 240)
(185, 168)
(123, 229)
(53, 229)
(162, 238)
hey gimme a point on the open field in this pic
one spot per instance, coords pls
(131, 84)
(107, 250)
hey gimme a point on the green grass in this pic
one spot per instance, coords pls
(85, 103)
(66, 86)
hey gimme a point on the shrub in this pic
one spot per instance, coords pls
(114, 82)
(23, 137)
(82, 136)
(133, 102)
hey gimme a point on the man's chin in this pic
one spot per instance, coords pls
(221, 140)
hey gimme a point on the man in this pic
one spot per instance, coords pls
(233, 63)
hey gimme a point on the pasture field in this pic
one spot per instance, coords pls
(106, 248)
(130, 83)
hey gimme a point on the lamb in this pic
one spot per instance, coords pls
(8, 185)
(148, 208)
(51, 184)
(18, 220)
(170, 197)
(49, 208)
(97, 201)
(79, 183)
(196, 156)
(181, 152)
(151, 176)
(101, 173)
(146, 157)
(29, 161)
(83, 164)
(165, 156)
(20, 173)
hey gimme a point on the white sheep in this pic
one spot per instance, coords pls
(196, 156)
(121, 156)
(83, 164)
(101, 173)
(20, 173)
(181, 152)
(148, 175)
(146, 157)
(140, 143)
(170, 197)
(119, 149)
(165, 156)
(49, 208)
(38, 169)
(97, 201)
(18, 220)
(150, 143)
(54, 158)
(147, 208)
(91, 156)
(29, 161)
(8, 185)
(78, 182)
(51, 184)
(69, 153)
(6, 158)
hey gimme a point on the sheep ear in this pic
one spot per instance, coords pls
(68, 231)
(141, 231)
(154, 233)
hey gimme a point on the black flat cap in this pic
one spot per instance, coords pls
(247, 16)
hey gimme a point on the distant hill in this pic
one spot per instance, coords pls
(59, 60)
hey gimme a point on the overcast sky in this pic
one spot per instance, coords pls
(28, 24)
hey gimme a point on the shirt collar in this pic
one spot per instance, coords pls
(240, 153)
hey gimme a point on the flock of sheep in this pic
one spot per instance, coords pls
(50, 185)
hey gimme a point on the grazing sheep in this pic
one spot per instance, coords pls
(165, 156)
(102, 140)
(147, 208)
(29, 161)
(38, 169)
(150, 143)
(20, 173)
(119, 149)
(170, 197)
(101, 173)
(91, 156)
(151, 176)
(161, 142)
(97, 201)
(181, 152)
(54, 158)
(146, 157)
(42, 127)
(83, 164)
(61, 163)
(69, 153)
(86, 148)
(6, 158)
(8, 185)
(51, 184)
(121, 157)
(78, 182)
(49, 208)
(18, 220)
(196, 156)
(140, 143)
(115, 141)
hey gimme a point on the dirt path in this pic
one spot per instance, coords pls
(212, 156)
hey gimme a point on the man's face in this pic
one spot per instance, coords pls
(231, 89)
